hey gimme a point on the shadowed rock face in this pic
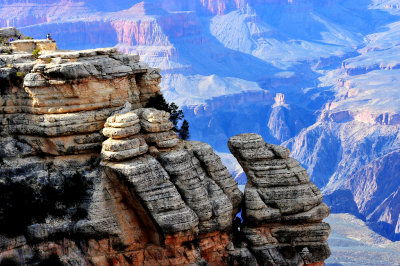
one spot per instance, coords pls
(88, 174)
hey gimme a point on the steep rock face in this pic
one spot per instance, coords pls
(182, 192)
(360, 160)
(376, 192)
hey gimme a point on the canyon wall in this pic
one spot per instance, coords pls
(88, 176)
(224, 62)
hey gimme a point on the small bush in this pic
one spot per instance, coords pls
(158, 102)
(36, 53)
(28, 38)
(48, 60)
(176, 115)
(184, 130)
(21, 75)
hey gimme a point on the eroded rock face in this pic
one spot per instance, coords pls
(283, 210)
(88, 174)
(178, 190)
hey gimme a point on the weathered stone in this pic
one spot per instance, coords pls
(198, 190)
(10, 32)
(241, 256)
(217, 171)
(153, 120)
(30, 45)
(119, 133)
(120, 150)
(122, 120)
(147, 179)
(167, 139)
(283, 210)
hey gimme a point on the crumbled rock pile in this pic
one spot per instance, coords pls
(157, 131)
(124, 141)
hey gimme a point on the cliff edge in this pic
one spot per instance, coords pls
(88, 176)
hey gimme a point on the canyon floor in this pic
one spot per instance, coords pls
(353, 243)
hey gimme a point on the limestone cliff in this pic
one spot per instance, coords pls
(88, 174)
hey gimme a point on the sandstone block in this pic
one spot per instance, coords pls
(167, 139)
(123, 149)
(119, 133)
(34, 80)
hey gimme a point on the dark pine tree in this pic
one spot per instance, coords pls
(176, 115)
(184, 130)
(158, 102)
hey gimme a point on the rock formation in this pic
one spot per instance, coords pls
(337, 123)
(90, 175)
(283, 210)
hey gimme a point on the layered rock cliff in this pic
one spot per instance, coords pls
(87, 174)
(224, 61)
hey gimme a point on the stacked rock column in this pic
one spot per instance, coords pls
(283, 210)
(123, 142)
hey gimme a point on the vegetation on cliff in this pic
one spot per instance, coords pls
(158, 101)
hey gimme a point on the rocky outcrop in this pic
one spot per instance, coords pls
(90, 175)
(181, 189)
(32, 45)
(283, 210)
(10, 33)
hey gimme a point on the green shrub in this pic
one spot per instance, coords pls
(28, 38)
(21, 75)
(184, 130)
(36, 53)
(158, 102)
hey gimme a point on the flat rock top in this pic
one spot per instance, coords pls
(82, 53)
(251, 141)
(32, 41)
(102, 63)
